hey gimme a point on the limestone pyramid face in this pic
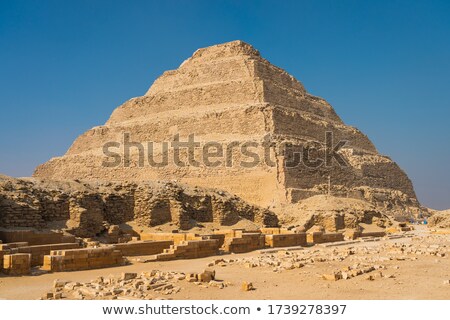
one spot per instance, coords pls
(226, 97)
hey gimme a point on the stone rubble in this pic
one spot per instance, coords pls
(150, 285)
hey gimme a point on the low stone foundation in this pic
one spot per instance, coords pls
(219, 237)
(175, 237)
(142, 248)
(12, 245)
(82, 259)
(354, 234)
(275, 231)
(321, 237)
(190, 249)
(5, 248)
(244, 242)
(373, 234)
(34, 238)
(17, 264)
(38, 252)
(285, 240)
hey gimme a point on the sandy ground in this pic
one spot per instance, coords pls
(423, 277)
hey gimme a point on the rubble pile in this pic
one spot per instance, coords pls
(150, 285)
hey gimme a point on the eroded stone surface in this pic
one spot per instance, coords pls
(89, 209)
(229, 93)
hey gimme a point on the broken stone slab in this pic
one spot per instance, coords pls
(335, 276)
(217, 284)
(128, 276)
(59, 283)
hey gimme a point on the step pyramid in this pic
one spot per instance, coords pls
(227, 96)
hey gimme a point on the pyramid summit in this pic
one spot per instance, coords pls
(227, 96)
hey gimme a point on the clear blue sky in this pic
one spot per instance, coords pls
(384, 66)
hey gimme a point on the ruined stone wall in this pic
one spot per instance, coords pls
(142, 248)
(176, 238)
(118, 208)
(190, 249)
(39, 251)
(18, 213)
(17, 264)
(245, 242)
(285, 240)
(34, 238)
(323, 237)
(86, 215)
(82, 259)
(93, 207)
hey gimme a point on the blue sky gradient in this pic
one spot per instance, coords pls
(384, 66)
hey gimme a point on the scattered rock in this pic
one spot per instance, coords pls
(247, 286)
(128, 276)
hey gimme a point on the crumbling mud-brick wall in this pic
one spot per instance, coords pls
(155, 206)
(118, 207)
(86, 215)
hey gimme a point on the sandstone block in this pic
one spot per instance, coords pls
(247, 286)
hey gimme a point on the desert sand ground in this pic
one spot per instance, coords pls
(416, 267)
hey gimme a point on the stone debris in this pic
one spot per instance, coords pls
(128, 276)
(129, 285)
(147, 285)
(247, 286)
(353, 271)
(207, 276)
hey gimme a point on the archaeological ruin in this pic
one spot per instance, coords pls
(113, 201)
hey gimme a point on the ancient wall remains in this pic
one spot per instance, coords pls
(176, 238)
(323, 237)
(82, 259)
(16, 264)
(93, 207)
(190, 249)
(245, 242)
(285, 240)
(34, 238)
(274, 230)
(39, 251)
(142, 248)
